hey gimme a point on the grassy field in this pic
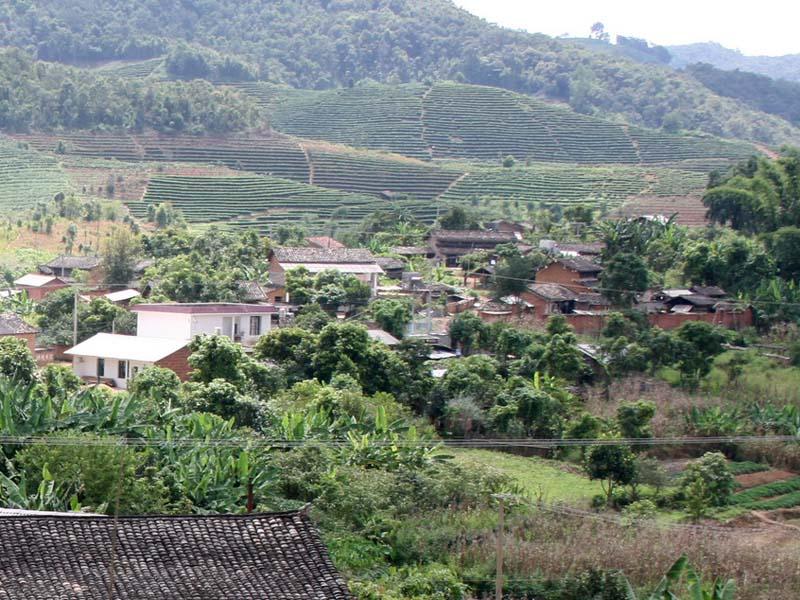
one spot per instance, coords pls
(550, 480)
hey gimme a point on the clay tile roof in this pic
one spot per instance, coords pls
(277, 556)
(411, 250)
(324, 255)
(75, 262)
(580, 265)
(387, 262)
(323, 241)
(252, 291)
(12, 324)
(552, 291)
(474, 235)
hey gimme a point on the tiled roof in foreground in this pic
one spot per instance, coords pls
(277, 556)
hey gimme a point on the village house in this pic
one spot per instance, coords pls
(12, 325)
(163, 333)
(49, 556)
(243, 323)
(68, 266)
(576, 273)
(449, 245)
(507, 226)
(116, 359)
(38, 287)
(121, 297)
(548, 299)
(349, 261)
(393, 267)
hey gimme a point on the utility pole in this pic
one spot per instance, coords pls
(498, 594)
(75, 319)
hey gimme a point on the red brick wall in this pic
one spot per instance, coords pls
(178, 362)
(731, 320)
(30, 338)
(558, 273)
(37, 294)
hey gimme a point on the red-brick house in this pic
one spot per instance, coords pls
(38, 287)
(578, 274)
(12, 325)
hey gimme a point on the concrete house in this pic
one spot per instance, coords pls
(164, 332)
(116, 359)
(38, 287)
(350, 261)
(243, 323)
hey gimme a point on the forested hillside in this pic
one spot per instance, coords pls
(313, 44)
(777, 67)
(777, 97)
(44, 96)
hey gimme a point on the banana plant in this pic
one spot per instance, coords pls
(696, 590)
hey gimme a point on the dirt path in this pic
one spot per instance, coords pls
(309, 162)
(762, 477)
(770, 153)
(764, 518)
(422, 118)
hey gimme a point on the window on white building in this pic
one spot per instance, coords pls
(255, 325)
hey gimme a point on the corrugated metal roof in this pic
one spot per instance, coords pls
(34, 280)
(127, 347)
(122, 295)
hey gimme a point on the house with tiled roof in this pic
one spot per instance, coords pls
(358, 262)
(12, 325)
(577, 273)
(325, 242)
(270, 556)
(68, 265)
(450, 245)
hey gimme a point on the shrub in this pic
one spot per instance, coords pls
(712, 469)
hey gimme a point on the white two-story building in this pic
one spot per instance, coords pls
(163, 333)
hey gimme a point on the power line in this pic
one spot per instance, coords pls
(465, 443)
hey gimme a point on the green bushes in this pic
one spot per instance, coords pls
(776, 488)
(746, 467)
(785, 501)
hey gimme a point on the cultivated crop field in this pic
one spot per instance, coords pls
(690, 209)
(564, 184)
(449, 120)
(258, 201)
(27, 177)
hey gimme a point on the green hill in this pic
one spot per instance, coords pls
(777, 67)
(457, 121)
(321, 45)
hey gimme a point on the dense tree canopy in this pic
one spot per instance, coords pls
(47, 96)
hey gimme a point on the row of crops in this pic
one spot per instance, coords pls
(365, 173)
(373, 116)
(278, 156)
(561, 184)
(248, 201)
(770, 496)
(449, 120)
(27, 177)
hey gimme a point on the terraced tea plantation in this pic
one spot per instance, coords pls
(273, 155)
(563, 184)
(254, 201)
(27, 177)
(373, 173)
(371, 116)
(449, 120)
